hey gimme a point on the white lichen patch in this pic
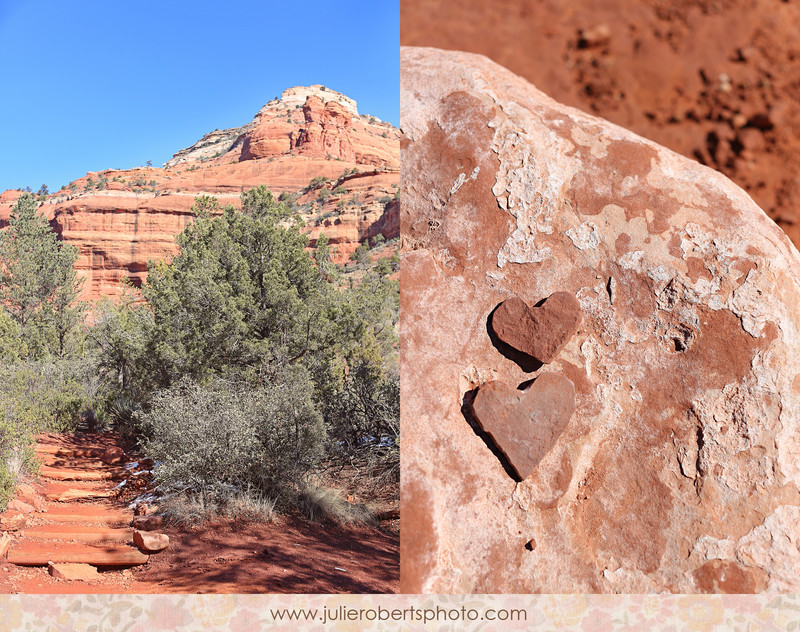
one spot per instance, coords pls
(714, 549)
(632, 260)
(775, 545)
(584, 236)
(462, 178)
(529, 186)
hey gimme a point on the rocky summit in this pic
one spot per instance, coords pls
(120, 219)
(676, 467)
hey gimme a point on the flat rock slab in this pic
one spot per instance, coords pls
(540, 332)
(79, 572)
(97, 517)
(81, 475)
(60, 451)
(525, 425)
(79, 494)
(39, 554)
(78, 533)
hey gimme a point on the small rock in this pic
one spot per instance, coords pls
(5, 544)
(147, 463)
(147, 523)
(82, 572)
(113, 456)
(141, 510)
(150, 542)
(27, 494)
(738, 120)
(18, 505)
(596, 36)
(11, 521)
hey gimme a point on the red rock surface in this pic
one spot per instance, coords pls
(308, 133)
(715, 80)
(525, 424)
(540, 331)
(679, 470)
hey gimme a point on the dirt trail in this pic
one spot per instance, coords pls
(72, 515)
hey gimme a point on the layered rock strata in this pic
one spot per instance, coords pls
(121, 219)
(679, 468)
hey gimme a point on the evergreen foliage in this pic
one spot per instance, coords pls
(244, 362)
(38, 284)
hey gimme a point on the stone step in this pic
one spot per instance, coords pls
(97, 515)
(68, 495)
(33, 553)
(64, 463)
(61, 451)
(81, 475)
(78, 533)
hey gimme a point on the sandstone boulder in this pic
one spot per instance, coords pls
(679, 468)
(150, 542)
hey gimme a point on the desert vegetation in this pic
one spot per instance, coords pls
(250, 370)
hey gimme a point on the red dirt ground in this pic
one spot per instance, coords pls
(715, 80)
(290, 555)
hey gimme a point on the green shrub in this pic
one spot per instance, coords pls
(315, 182)
(227, 432)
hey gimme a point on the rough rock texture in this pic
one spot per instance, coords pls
(121, 219)
(679, 469)
(715, 80)
(540, 332)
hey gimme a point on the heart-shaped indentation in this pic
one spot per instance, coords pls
(540, 332)
(524, 425)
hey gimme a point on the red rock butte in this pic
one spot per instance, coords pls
(120, 219)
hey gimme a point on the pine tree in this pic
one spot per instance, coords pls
(38, 284)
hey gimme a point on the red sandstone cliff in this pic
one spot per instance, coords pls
(120, 219)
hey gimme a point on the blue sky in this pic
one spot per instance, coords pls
(92, 84)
